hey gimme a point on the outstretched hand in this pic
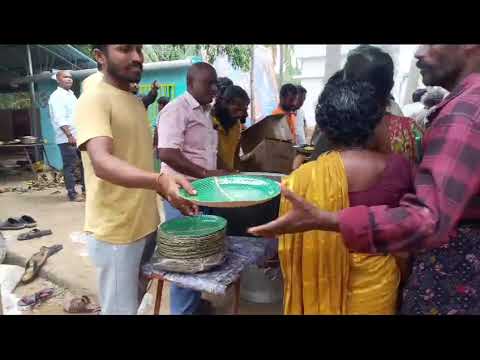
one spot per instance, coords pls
(170, 186)
(302, 217)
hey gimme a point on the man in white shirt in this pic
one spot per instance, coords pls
(432, 97)
(301, 122)
(300, 126)
(61, 106)
(416, 106)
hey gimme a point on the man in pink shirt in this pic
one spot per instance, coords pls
(187, 144)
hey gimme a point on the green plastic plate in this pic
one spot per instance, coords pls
(193, 226)
(233, 191)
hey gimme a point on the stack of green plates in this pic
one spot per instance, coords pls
(190, 238)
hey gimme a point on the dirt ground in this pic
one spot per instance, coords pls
(70, 269)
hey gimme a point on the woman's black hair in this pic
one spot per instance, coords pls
(348, 112)
(371, 64)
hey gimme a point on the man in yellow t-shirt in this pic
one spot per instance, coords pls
(121, 216)
(231, 107)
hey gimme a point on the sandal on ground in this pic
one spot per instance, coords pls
(29, 301)
(29, 221)
(32, 234)
(12, 224)
(79, 304)
(33, 266)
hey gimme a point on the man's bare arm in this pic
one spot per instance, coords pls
(112, 169)
(116, 171)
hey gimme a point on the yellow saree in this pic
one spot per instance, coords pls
(320, 275)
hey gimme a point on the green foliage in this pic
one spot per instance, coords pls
(15, 101)
(289, 66)
(85, 48)
(238, 55)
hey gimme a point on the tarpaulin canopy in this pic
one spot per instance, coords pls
(14, 61)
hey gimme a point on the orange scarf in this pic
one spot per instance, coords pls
(291, 119)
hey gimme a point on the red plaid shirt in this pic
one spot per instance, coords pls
(447, 184)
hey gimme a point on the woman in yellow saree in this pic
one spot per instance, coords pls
(320, 275)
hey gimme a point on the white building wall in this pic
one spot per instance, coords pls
(312, 58)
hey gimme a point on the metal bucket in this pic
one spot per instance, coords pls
(257, 288)
(240, 219)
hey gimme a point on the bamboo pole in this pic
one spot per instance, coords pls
(252, 83)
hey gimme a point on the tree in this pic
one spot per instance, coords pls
(86, 49)
(238, 55)
(288, 69)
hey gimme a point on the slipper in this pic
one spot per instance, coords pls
(29, 301)
(12, 224)
(35, 263)
(32, 234)
(27, 220)
(53, 249)
(79, 304)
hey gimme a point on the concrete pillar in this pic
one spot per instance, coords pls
(333, 60)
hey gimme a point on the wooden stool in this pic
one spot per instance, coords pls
(158, 296)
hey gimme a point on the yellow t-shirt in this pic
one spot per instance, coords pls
(113, 213)
(91, 81)
(227, 142)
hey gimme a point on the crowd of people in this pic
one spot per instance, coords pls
(379, 220)
(435, 221)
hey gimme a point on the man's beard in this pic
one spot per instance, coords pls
(115, 72)
(225, 119)
(433, 77)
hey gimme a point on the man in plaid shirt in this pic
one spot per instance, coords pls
(442, 214)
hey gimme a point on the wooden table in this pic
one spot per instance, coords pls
(241, 252)
(25, 150)
(161, 280)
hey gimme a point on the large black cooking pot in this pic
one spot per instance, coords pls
(240, 219)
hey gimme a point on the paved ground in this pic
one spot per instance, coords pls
(69, 268)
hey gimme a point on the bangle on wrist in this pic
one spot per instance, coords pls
(159, 184)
